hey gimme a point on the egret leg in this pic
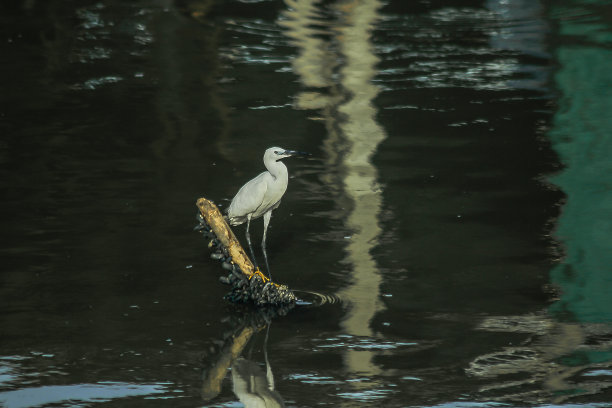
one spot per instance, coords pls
(269, 375)
(266, 219)
(248, 237)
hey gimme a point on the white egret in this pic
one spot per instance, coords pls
(261, 195)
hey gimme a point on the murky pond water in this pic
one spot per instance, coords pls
(449, 236)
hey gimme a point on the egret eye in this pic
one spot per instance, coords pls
(277, 152)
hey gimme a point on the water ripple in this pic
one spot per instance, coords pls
(54, 394)
(367, 395)
(311, 378)
(346, 341)
(315, 299)
(430, 51)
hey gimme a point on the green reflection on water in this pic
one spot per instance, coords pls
(581, 135)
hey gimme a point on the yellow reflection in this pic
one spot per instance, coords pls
(548, 378)
(353, 137)
(313, 63)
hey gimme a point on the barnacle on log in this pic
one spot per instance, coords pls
(248, 285)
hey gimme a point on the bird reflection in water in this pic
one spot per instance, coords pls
(252, 385)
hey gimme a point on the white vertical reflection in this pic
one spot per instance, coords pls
(363, 135)
(353, 137)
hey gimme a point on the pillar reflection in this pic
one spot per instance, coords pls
(337, 59)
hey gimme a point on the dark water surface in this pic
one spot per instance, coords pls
(452, 227)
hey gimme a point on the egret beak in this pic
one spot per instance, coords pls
(296, 153)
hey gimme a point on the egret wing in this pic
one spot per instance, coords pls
(248, 199)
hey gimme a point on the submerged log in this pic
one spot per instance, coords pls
(248, 284)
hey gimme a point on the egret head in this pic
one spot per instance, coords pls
(278, 153)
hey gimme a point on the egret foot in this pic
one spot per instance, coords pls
(259, 273)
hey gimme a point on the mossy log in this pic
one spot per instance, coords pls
(248, 284)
